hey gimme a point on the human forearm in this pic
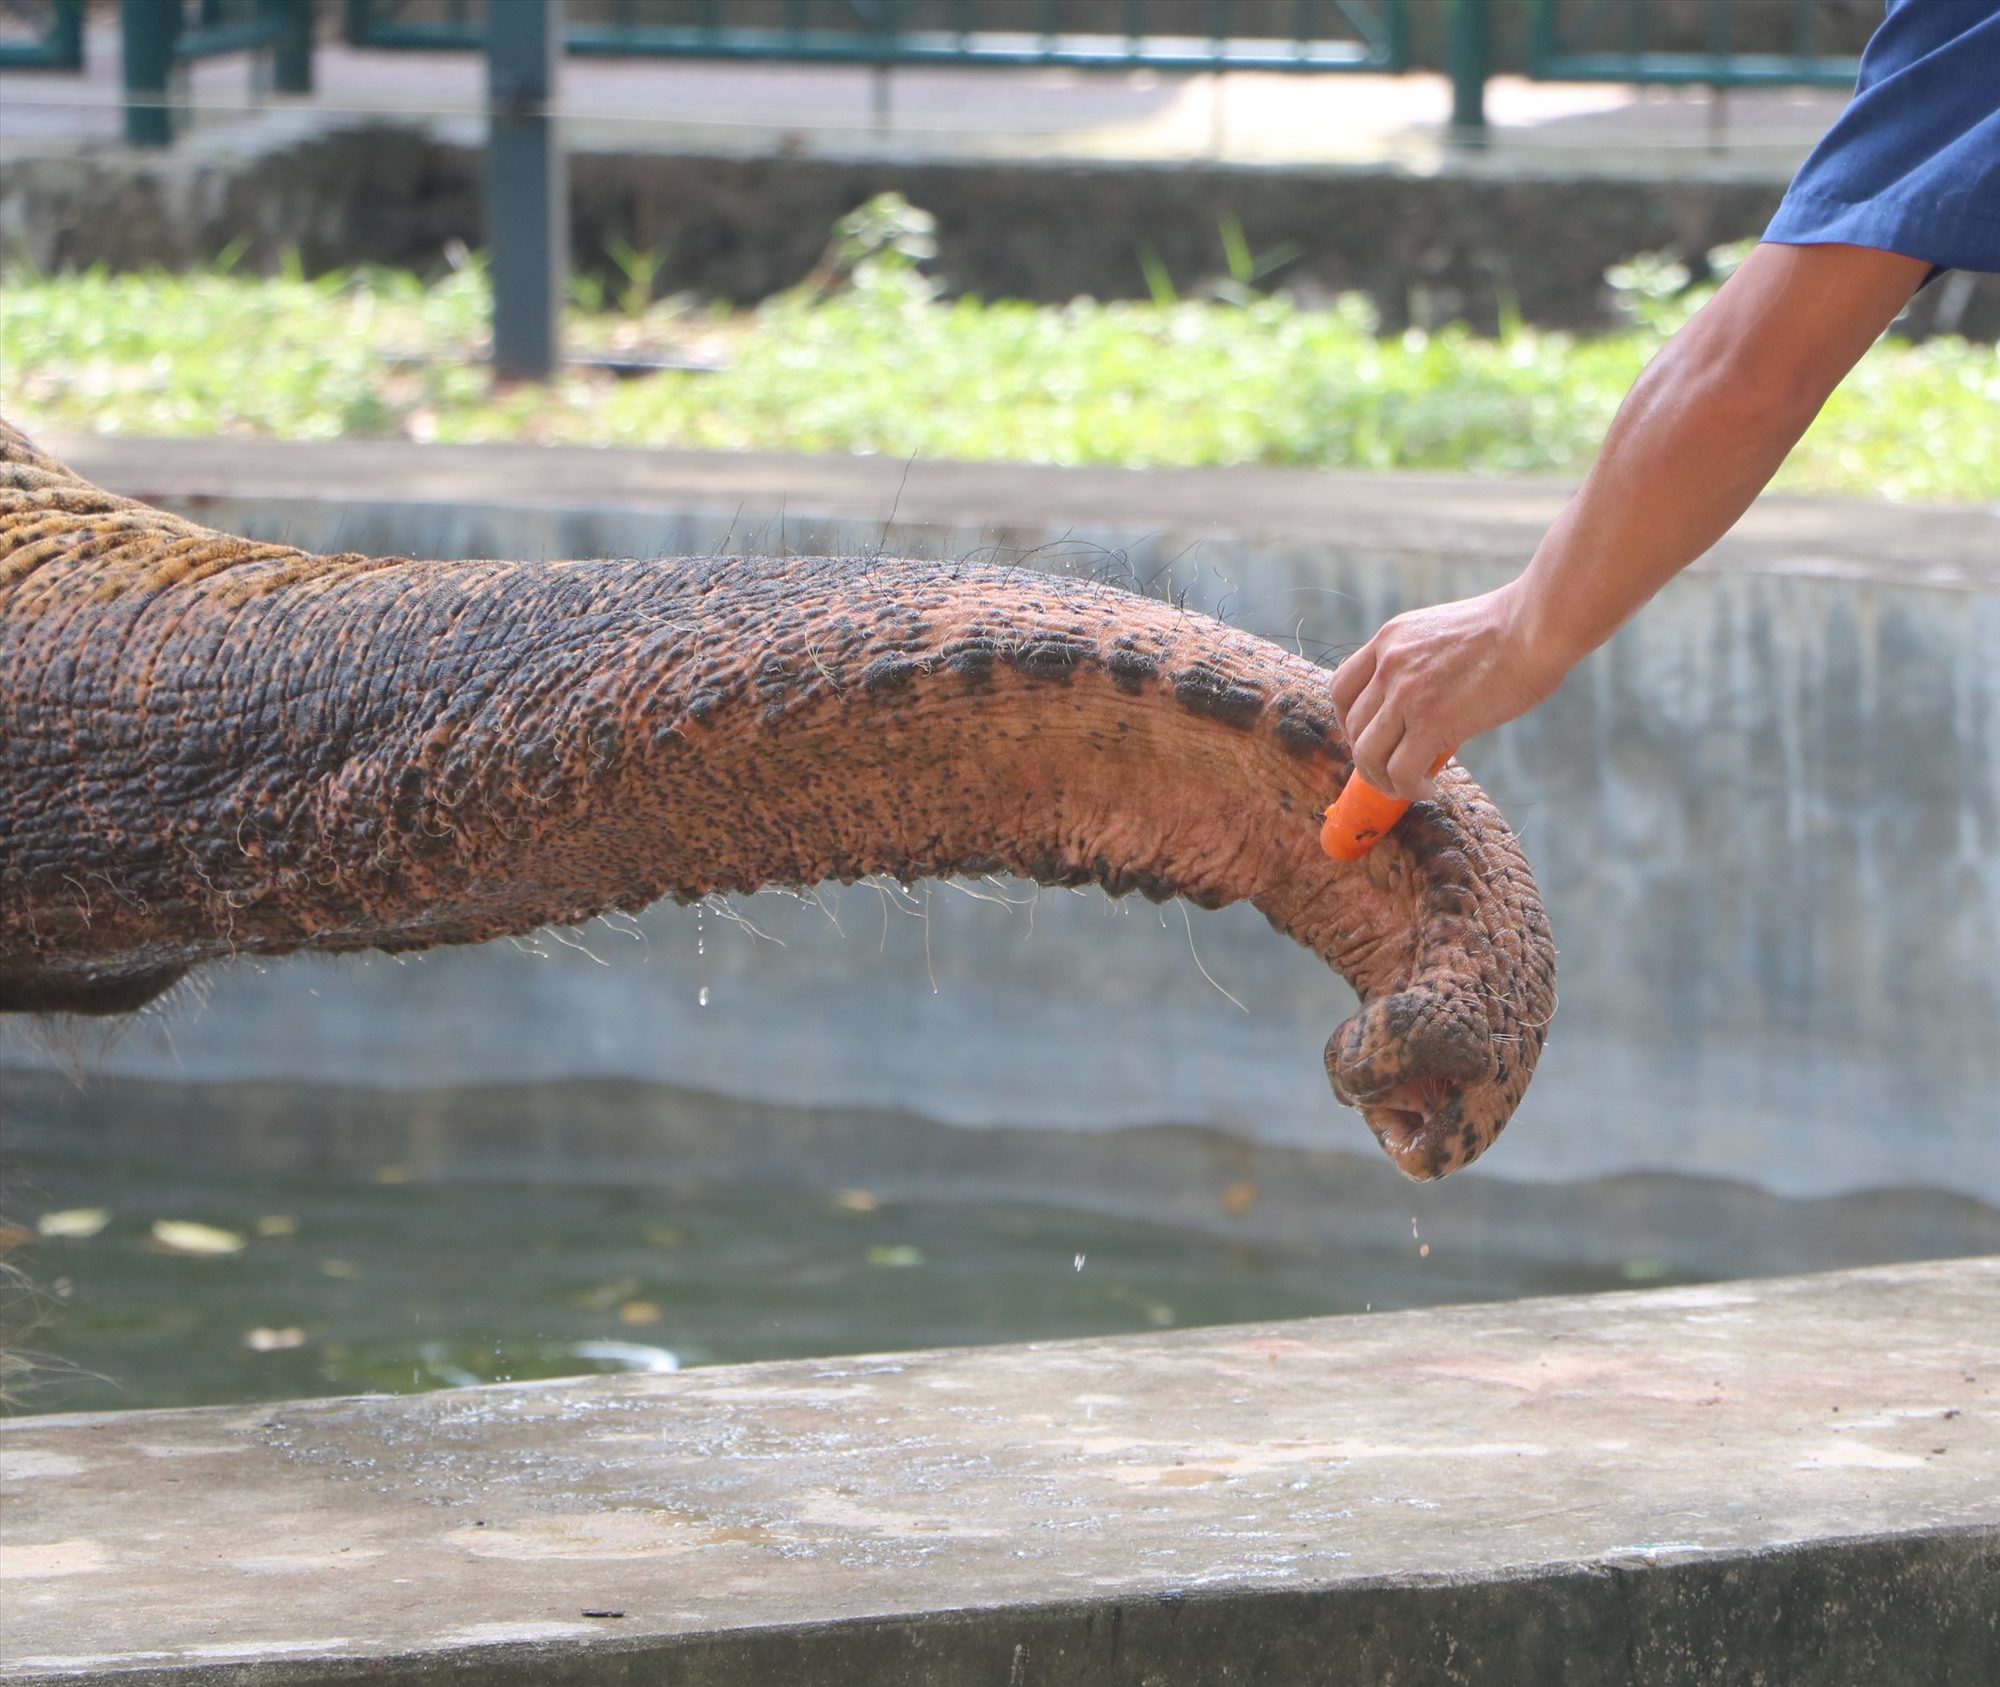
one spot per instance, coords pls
(1698, 437)
(1701, 433)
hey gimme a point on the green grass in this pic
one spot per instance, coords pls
(883, 368)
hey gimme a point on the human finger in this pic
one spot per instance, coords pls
(1365, 710)
(1408, 767)
(1376, 747)
(1350, 679)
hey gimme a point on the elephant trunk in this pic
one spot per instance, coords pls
(210, 747)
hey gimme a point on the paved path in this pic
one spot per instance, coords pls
(653, 105)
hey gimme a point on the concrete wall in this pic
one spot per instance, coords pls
(1689, 1487)
(1767, 820)
(1424, 248)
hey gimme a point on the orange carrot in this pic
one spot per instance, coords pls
(1360, 816)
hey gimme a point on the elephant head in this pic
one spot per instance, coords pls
(210, 747)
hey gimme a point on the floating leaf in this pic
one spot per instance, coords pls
(184, 1236)
(898, 1255)
(639, 1312)
(606, 1295)
(857, 1201)
(344, 1269)
(277, 1224)
(274, 1341)
(627, 1355)
(76, 1223)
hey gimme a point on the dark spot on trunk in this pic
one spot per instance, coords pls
(973, 660)
(774, 678)
(1052, 869)
(1202, 690)
(1054, 659)
(1154, 887)
(1131, 669)
(408, 801)
(1303, 735)
(889, 673)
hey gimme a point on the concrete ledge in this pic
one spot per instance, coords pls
(254, 481)
(1793, 1479)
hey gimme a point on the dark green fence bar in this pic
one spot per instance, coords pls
(1469, 59)
(1613, 41)
(1319, 35)
(55, 35)
(160, 34)
(151, 31)
(527, 217)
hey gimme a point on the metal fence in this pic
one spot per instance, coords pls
(160, 36)
(1624, 41)
(1717, 43)
(1163, 35)
(1722, 43)
(41, 34)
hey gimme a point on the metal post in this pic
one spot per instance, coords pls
(292, 60)
(66, 36)
(1469, 53)
(527, 211)
(149, 29)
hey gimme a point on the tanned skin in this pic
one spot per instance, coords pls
(1698, 437)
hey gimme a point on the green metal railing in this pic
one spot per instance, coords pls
(160, 35)
(54, 35)
(1717, 43)
(1618, 41)
(1290, 35)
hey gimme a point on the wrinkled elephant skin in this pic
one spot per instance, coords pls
(210, 747)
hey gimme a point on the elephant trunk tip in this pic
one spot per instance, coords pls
(1414, 1124)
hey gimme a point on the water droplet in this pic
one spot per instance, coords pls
(701, 1000)
(701, 945)
(1079, 1262)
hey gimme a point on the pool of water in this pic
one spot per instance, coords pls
(184, 1244)
(348, 1285)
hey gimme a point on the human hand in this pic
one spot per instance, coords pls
(1432, 678)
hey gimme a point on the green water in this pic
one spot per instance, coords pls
(358, 1285)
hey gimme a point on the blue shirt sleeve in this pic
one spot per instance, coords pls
(1913, 164)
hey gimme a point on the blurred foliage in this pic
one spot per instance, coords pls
(881, 366)
(877, 247)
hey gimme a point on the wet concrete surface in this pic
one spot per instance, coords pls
(1795, 1477)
